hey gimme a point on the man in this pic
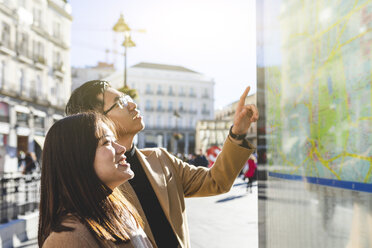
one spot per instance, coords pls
(200, 160)
(161, 180)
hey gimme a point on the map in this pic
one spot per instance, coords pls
(319, 98)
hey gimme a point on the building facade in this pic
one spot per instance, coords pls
(81, 75)
(172, 99)
(214, 132)
(35, 77)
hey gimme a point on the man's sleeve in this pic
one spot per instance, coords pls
(201, 181)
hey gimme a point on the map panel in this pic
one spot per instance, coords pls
(319, 99)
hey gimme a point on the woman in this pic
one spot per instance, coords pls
(251, 173)
(80, 205)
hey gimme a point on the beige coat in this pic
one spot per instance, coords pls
(173, 180)
(80, 237)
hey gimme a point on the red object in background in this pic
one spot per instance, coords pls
(252, 168)
(212, 154)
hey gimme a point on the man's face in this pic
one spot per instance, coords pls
(128, 120)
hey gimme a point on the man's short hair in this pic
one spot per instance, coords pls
(84, 98)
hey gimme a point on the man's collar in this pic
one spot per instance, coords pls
(131, 152)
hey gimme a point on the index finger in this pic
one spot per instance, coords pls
(242, 98)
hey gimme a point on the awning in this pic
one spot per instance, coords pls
(40, 140)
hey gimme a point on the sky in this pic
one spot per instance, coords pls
(214, 37)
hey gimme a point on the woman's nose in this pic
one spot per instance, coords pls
(119, 148)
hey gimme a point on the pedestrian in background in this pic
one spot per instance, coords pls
(251, 173)
(200, 160)
(80, 205)
(30, 163)
(21, 160)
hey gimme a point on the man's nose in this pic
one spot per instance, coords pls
(132, 106)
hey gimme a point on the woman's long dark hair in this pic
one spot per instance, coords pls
(69, 184)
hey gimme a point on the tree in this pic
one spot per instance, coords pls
(128, 91)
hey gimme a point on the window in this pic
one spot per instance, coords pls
(3, 139)
(39, 52)
(160, 90)
(2, 65)
(170, 105)
(159, 105)
(60, 90)
(37, 17)
(56, 29)
(158, 121)
(57, 62)
(39, 86)
(181, 106)
(148, 88)
(205, 93)
(192, 92)
(5, 35)
(22, 119)
(39, 122)
(148, 105)
(4, 112)
(21, 79)
(23, 44)
(181, 91)
(191, 123)
(148, 120)
(52, 88)
(170, 92)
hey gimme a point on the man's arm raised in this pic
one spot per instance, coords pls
(244, 116)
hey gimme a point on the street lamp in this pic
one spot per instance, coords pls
(128, 42)
(122, 27)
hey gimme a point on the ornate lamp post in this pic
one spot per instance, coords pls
(122, 27)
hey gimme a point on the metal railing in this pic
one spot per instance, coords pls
(19, 195)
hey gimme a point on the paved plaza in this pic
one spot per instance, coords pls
(228, 220)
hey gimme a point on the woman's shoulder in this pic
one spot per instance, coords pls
(78, 236)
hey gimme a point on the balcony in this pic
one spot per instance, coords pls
(160, 93)
(6, 47)
(182, 111)
(193, 95)
(149, 109)
(160, 109)
(9, 89)
(40, 62)
(24, 55)
(171, 93)
(206, 96)
(149, 92)
(205, 112)
(32, 93)
(42, 100)
(193, 111)
(59, 69)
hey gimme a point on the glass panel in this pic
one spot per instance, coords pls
(315, 131)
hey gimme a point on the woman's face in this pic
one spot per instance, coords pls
(109, 163)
